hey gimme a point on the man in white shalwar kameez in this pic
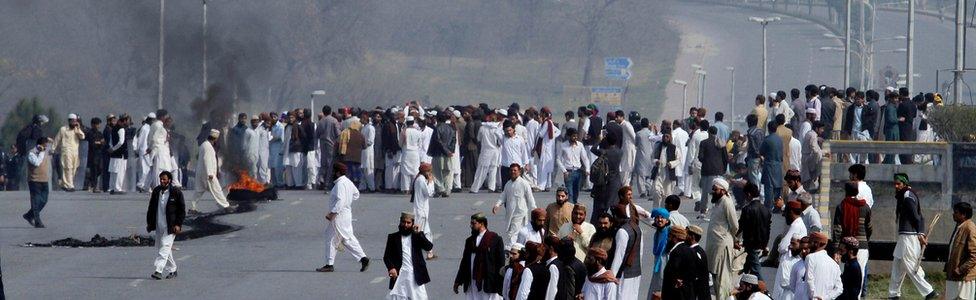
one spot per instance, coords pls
(250, 144)
(531, 135)
(629, 148)
(489, 137)
(407, 281)
(427, 131)
(694, 166)
(207, 174)
(788, 249)
(339, 228)
(518, 200)
(423, 190)
(720, 239)
(263, 173)
(823, 273)
(411, 142)
(679, 137)
(601, 285)
(548, 132)
(276, 148)
(368, 156)
(141, 145)
(118, 161)
(159, 148)
(628, 249)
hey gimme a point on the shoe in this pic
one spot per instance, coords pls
(932, 295)
(326, 268)
(38, 223)
(157, 275)
(97, 191)
(365, 262)
(69, 190)
(171, 275)
(29, 218)
(193, 212)
(230, 209)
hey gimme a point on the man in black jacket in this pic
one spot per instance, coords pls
(441, 148)
(166, 219)
(700, 265)
(679, 273)
(404, 258)
(754, 225)
(484, 256)
(714, 160)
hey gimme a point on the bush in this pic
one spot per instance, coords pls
(22, 114)
(954, 123)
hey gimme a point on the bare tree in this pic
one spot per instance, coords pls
(591, 15)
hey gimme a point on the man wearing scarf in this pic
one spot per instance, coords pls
(423, 190)
(600, 283)
(404, 260)
(483, 256)
(535, 230)
(911, 238)
(666, 162)
(513, 271)
(627, 248)
(662, 226)
(722, 244)
(852, 218)
(789, 249)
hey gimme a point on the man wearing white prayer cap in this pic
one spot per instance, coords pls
(207, 174)
(749, 289)
(66, 143)
(722, 238)
(411, 143)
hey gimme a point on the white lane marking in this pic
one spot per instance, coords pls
(436, 236)
(296, 202)
(232, 235)
(479, 202)
(185, 257)
(458, 218)
(377, 280)
(136, 282)
(264, 217)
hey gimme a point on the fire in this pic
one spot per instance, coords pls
(245, 182)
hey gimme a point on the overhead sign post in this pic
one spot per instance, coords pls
(617, 68)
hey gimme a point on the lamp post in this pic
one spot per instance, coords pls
(684, 94)
(701, 87)
(847, 45)
(204, 49)
(162, 45)
(731, 92)
(909, 81)
(764, 22)
(960, 51)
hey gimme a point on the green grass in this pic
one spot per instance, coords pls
(878, 286)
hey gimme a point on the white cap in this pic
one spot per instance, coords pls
(457, 114)
(72, 117)
(890, 89)
(517, 247)
(772, 95)
(214, 133)
(151, 115)
(721, 183)
(409, 119)
(751, 279)
(811, 110)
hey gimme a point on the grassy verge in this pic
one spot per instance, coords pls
(878, 286)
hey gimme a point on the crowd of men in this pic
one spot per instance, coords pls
(563, 250)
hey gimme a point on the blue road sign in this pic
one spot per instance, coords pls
(617, 62)
(617, 74)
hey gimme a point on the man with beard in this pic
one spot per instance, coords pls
(798, 275)
(627, 248)
(910, 240)
(513, 271)
(165, 218)
(411, 141)
(600, 283)
(483, 256)
(604, 232)
(536, 230)
(679, 272)
(720, 238)
(960, 274)
(206, 171)
(404, 260)
(666, 161)
(754, 225)
(852, 218)
(823, 273)
(700, 266)
(559, 212)
(644, 161)
(788, 258)
(340, 230)
(518, 200)
(573, 274)
(66, 144)
(579, 231)
(391, 149)
(327, 133)
(749, 289)
(852, 275)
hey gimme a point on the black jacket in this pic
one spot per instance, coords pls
(593, 132)
(615, 131)
(851, 278)
(700, 266)
(393, 257)
(491, 257)
(175, 208)
(754, 225)
(869, 115)
(670, 156)
(713, 157)
(681, 262)
(391, 144)
(909, 212)
(443, 141)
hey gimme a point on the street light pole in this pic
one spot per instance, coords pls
(764, 22)
(732, 93)
(204, 49)
(960, 51)
(684, 94)
(909, 80)
(162, 45)
(701, 87)
(847, 46)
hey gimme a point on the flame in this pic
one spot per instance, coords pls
(245, 182)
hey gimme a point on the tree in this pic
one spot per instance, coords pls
(22, 114)
(591, 15)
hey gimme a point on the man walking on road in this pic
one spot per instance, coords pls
(165, 217)
(38, 177)
(207, 174)
(339, 228)
(911, 238)
(483, 257)
(518, 200)
(66, 143)
(404, 261)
